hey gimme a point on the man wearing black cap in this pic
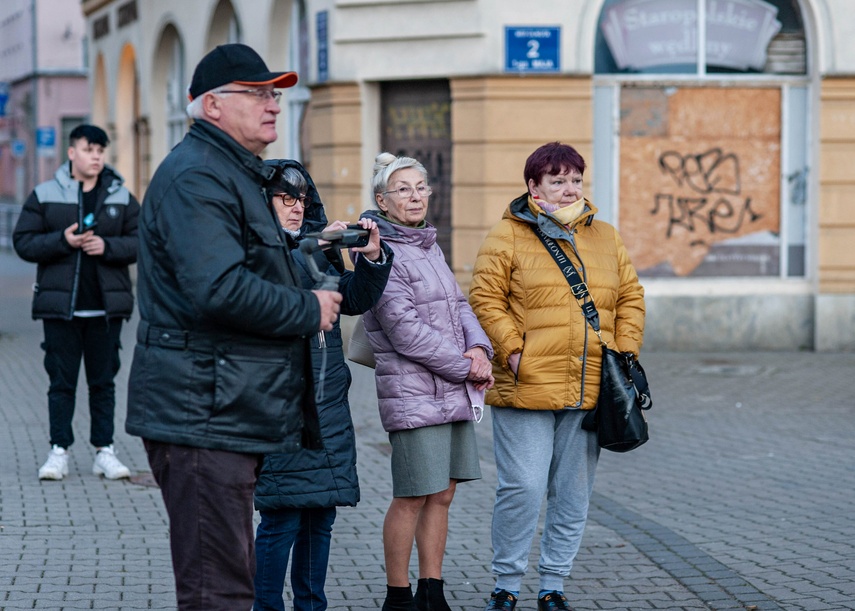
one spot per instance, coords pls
(221, 372)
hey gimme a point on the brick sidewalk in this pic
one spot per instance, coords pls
(743, 499)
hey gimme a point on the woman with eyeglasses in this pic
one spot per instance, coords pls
(297, 493)
(433, 359)
(547, 365)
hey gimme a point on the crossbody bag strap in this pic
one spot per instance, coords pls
(577, 286)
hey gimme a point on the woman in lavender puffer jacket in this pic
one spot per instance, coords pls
(432, 355)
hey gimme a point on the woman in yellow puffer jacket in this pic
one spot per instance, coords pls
(547, 365)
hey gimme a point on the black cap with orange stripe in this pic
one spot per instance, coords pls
(235, 63)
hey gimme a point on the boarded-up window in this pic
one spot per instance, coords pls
(703, 167)
(699, 180)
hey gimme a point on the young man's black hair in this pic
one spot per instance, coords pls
(92, 133)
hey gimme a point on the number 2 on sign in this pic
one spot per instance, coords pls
(533, 49)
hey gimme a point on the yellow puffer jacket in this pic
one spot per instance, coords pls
(524, 303)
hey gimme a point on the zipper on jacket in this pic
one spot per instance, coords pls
(570, 237)
(519, 364)
(78, 260)
(584, 356)
(319, 386)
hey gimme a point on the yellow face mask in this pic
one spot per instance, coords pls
(565, 215)
(570, 213)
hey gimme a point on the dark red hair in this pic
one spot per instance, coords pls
(552, 158)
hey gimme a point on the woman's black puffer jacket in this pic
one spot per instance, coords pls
(325, 477)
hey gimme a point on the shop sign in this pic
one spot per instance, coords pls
(648, 33)
(532, 49)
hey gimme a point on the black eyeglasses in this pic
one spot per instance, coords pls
(262, 95)
(290, 200)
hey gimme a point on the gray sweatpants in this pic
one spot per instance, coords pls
(540, 453)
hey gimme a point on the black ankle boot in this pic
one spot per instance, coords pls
(399, 598)
(429, 595)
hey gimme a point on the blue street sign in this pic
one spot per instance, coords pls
(19, 147)
(533, 49)
(46, 141)
(4, 97)
(322, 26)
(46, 137)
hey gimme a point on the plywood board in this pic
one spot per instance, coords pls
(698, 166)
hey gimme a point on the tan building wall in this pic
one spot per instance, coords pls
(835, 300)
(335, 133)
(496, 123)
(837, 186)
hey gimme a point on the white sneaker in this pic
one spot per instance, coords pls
(56, 465)
(108, 465)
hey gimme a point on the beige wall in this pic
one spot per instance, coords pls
(335, 133)
(837, 186)
(496, 123)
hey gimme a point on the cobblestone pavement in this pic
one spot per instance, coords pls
(743, 499)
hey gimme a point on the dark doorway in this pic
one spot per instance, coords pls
(416, 122)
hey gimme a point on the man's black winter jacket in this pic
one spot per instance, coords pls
(222, 356)
(55, 205)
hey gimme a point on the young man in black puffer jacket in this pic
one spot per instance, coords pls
(81, 229)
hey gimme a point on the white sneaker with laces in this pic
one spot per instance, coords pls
(56, 465)
(108, 465)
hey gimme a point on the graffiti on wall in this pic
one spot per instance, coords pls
(699, 181)
(715, 203)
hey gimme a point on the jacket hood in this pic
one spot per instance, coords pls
(519, 210)
(111, 180)
(314, 217)
(422, 237)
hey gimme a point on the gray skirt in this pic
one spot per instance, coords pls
(425, 459)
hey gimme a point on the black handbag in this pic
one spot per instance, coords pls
(618, 418)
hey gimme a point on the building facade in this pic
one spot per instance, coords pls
(717, 132)
(44, 92)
